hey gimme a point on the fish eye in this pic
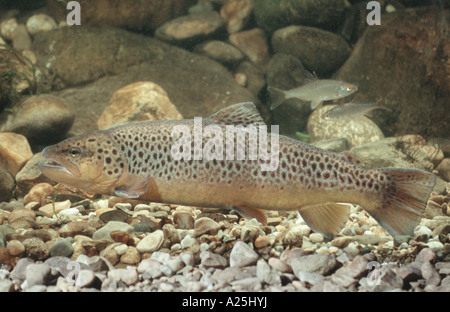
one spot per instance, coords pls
(74, 151)
(349, 88)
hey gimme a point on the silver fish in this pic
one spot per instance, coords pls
(349, 110)
(315, 91)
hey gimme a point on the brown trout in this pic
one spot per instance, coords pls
(136, 160)
(315, 91)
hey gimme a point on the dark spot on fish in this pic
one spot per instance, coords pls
(116, 170)
(141, 154)
(349, 180)
(92, 140)
(108, 160)
(322, 166)
(326, 175)
(304, 163)
(100, 150)
(314, 166)
(109, 172)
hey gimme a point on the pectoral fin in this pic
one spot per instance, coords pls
(251, 213)
(328, 218)
(133, 187)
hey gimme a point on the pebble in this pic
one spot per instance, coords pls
(15, 248)
(113, 215)
(253, 43)
(316, 238)
(151, 242)
(7, 27)
(40, 23)
(74, 228)
(242, 255)
(320, 264)
(104, 233)
(205, 225)
(57, 207)
(131, 256)
(62, 247)
(38, 193)
(212, 260)
(15, 151)
(115, 277)
(36, 248)
(85, 278)
(184, 219)
(37, 274)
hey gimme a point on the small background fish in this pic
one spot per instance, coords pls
(351, 110)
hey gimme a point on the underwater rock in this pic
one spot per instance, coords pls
(15, 76)
(116, 13)
(21, 39)
(190, 28)
(253, 44)
(287, 72)
(382, 65)
(319, 51)
(236, 13)
(140, 101)
(220, 51)
(253, 75)
(30, 175)
(14, 152)
(40, 23)
(7, 28)
(388, 153)
(357, 131)
(40, 118)
(7, 185)
(274, 14)
(444, 169)
(185, 76)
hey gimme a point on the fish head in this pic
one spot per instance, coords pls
(88, 162)
(345, 89)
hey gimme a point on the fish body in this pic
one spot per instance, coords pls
(315, 91)
(137, 161)
(350, 110)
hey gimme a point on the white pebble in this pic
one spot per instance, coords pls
(7, 28)
(40, 23)
(422, 230)
(70, 212)
(435, 246)
(316, 238)
(121, 249)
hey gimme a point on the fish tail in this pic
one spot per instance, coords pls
(277, 97)
(403, 201)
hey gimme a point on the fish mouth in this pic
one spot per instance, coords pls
(50, 166)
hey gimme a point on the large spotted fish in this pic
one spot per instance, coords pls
(136, 160)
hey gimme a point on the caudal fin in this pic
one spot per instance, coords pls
(404, 200)
(277, 96)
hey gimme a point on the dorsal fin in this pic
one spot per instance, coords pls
(238, 114)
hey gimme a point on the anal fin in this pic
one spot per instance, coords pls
(327, 218)
(251, 213)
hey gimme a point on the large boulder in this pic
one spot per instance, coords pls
(109, 59)
(407, 63)
(136, 14)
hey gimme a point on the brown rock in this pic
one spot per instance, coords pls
(21, 213)
(319, 50)
(50, 209)
(140, 14)
(190, 28)
(131, 256)
(15, 76)
(181, 73)
(411, 90)
(42, 119)
(7, 185)
(444, 169)
(140, 101)
(205, 225)
(14, 152)
(15, 248)
(76, 228)
(236, 13)
(38, 193)
(30, 175)
(253, 43)
(122, 237)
